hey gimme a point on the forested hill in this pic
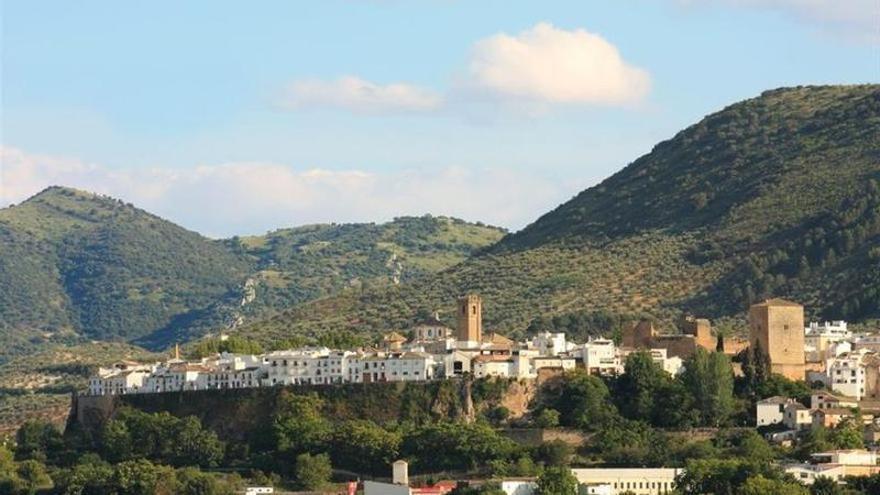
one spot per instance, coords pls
(769, 163)
(773, 196)
(76, 266)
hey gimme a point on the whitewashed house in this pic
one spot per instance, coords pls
(601, 357)
(771, 411)
(797, 416)
(549, 344)
(845, 374)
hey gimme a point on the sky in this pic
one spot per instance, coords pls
(235, 118)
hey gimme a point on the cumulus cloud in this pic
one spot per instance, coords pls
(857, 20)
(253, 197)
(359, 95)
(548, 64)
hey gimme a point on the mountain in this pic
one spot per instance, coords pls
(292, 266)
(776, 195)
(76, 266)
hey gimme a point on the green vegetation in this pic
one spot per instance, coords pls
(299, 437)
(557, 481)
(77, 265)
(776, 195)
(38, 385)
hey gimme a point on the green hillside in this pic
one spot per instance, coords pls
(776, 195)
(75, 266)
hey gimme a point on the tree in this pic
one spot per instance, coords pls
(451, 445)
(547, 418)
(555, 453)
(191, 481)
(298, 424)
(142, 477)
(361, 445)
(160, 437)
(824, 485)
(557, 480)
(33, 476)
(86, 478)
(709, 378)
(847, 435)
(637, 388)
(36, 440)
(583, 401)
(759, 485)
(194, 445)
(313, 471)
(627, 443)
(716, 476)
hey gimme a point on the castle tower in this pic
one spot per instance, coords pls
(470, 319)
(701, 329)
(778, 326)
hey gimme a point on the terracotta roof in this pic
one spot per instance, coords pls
(431, 322)
(488, 358)
(495, 338)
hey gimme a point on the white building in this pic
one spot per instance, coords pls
(393, 367)
(176, 377)
(868, 342)
(672, 365)
(549, 344)
(500, 366)
(824, 400)
(120, 379)
(597, 489)
(563, 363)
(600, 357)
(850, 457)
(457, 363)
(807, 473)
(308, 366)
(797, 416)
(845, 374)
(641, 481)
(431, 330)
(771, 411)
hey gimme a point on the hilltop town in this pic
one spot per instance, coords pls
(842, 368)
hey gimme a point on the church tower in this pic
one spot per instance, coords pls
(470, 319)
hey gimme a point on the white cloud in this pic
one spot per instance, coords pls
(359, 95)
(857, 20)
(548, 64)
(247, 198)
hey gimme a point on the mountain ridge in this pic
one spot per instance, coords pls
(691, 227)
(78, 265)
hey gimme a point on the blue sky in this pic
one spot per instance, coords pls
(240, 117)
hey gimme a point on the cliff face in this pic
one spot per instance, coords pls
(245, 415)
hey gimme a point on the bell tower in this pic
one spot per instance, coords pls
(470, 319)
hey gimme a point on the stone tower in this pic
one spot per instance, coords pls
(778, 325)
(470, 319)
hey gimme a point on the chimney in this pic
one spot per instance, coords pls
(400, 473)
